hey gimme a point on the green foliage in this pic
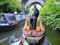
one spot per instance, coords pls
(50, 13)
(27, 8)
(10, 5)
(32, 10)
(58, 0)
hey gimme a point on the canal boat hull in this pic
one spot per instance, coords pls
(9, 22)
(34, 36)
(4, 27)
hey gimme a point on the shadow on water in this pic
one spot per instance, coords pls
(45, 42)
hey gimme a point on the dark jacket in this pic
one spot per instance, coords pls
(36, 12)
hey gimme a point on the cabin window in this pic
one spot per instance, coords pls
(12, 18)
(1, 18)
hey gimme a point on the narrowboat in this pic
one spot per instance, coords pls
(32, 36)
(7, 21)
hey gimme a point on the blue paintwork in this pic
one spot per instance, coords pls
(6, 21)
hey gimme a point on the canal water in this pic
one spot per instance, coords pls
(8, 36)
(11, 36)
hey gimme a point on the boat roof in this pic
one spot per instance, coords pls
(7, 15)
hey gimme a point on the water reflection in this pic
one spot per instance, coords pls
(16, 35)
(13, 39)
(45, 41)
(11, 36)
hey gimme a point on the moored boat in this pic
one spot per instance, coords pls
(9, 21)
(32, 36)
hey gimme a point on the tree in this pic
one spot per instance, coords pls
(10, 5)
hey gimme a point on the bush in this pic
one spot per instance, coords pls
(50, 13)
(27, 8)
(10, 5)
